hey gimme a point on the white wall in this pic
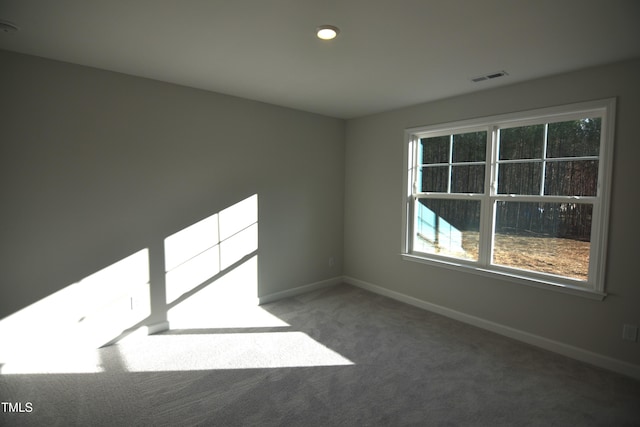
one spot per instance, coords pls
(96, 165)
(373, 201)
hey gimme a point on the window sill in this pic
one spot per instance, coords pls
(527, 281)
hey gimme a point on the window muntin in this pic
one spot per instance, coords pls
(452, 163)
(555, 159)
(521, 194)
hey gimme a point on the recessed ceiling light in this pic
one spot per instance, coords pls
(327, 32)
(7, 27)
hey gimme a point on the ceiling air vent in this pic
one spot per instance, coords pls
(489, 76)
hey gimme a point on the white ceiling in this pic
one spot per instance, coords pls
(389, 54)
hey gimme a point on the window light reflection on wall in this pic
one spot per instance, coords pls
(208, 247)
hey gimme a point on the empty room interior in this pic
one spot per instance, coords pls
(212, 215)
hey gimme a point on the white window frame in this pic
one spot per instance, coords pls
(594, 287)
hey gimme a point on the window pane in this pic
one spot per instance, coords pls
(574, 138)
(435, 178)
(524, 142)
(467, 179)
(544, 237)
(447, 227)
(579, 178)
(434, 150)
(519, 178)
(470, 147)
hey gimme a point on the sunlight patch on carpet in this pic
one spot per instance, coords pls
(227, 351)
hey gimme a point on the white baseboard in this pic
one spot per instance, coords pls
(300, 290)
(577, 353)
(157, 327)
(164, 326)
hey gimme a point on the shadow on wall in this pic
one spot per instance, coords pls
(214, 259)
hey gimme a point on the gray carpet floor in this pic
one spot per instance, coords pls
(339, 356)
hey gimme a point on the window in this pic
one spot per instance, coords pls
(523, 196)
